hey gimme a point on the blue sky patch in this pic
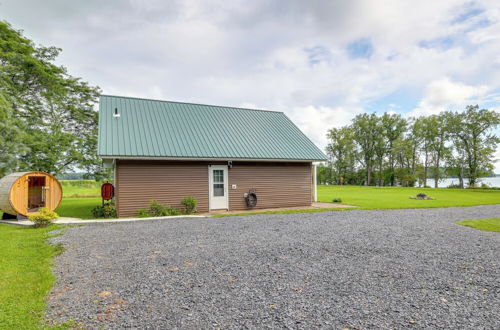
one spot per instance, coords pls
(318, 54)
(465, 16)
(400, 101)
(361, 48)
(482, 23)
(441, 43)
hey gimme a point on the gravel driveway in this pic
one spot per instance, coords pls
(351, 269)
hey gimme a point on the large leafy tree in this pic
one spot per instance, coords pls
(414, 141)
(366, 134)
(381, 150)
(456, 161)
(53, 110)
(394, 126)
(439, 150)
(403, 153)
(341, 150)
(10, 137)
(474, 139)
(426, 132)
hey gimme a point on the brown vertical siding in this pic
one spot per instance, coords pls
(276, 184)
(139, 182)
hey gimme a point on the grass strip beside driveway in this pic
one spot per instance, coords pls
(222, 215)
(26, 276)
(490, 224)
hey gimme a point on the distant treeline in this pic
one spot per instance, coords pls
(390, 150)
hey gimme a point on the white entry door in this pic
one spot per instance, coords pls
(217, 181)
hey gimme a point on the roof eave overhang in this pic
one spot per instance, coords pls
(213, 159)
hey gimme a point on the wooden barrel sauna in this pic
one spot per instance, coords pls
(24, 193)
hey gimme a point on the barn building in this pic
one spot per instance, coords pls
(165, 151)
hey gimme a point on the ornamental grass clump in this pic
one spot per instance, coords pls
(43, 217)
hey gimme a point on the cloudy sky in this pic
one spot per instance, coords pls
(321, 62)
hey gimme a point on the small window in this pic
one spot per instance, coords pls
(218, 189)
(218, 176)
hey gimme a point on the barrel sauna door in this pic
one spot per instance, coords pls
(36, 193)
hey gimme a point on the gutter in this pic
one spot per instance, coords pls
(213, 159)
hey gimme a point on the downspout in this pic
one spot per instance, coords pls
(114, 171)
(116, 186)
(315, 184)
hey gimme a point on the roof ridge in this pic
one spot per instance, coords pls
(192, 103)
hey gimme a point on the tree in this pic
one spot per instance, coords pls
(403, 153)
(426, 132)
(341, 150)
(456, 161)
(414, 141)
(394, 127)
(54, 110)
(366, 133)
(474, 139)
(380, 151)
(324, 174)
(440, 133)
(10, 137)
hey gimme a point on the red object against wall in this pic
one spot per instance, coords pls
(107, 191)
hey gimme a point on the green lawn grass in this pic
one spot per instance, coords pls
(222, 215)
(25, 275)
(78, 207)
(81, 188)
(399, 198)
(490, 224)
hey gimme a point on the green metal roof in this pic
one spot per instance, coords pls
(164, 129)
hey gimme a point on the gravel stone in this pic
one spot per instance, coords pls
(349, 269)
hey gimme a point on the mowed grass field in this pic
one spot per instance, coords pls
(399, 198)
(81, 188)
(79, 198)
(72, 207)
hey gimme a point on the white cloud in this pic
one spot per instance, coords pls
(444, 94)
(258, 53)
(496, 162)
(315, 121)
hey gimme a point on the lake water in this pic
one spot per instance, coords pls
(492, 182)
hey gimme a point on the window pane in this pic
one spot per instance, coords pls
(218, 176)
(218, 189)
